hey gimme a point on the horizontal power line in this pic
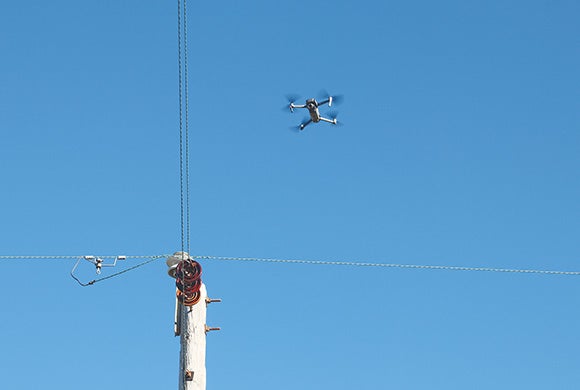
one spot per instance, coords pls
(58, 257)
(150, 259)
(312, 262)
(390, 265)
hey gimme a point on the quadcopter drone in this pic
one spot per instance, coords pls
(312, 106)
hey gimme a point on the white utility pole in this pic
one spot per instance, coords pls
(190, 325)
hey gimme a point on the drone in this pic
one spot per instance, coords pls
(312, 106)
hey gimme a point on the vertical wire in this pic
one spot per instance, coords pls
(186, 122)
(180, 120)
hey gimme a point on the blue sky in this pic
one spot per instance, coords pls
(459, 147)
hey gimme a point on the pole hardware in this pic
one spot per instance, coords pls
(187, 275)
(97, 262)
(99, 265)
(173, 260)
(209, 300)
(208, 329)
(188, 375)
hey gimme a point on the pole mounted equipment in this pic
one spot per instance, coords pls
(187, 274)
(98, 262)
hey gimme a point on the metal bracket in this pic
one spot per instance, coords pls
(188, 375)
(97, 262)
(177, 318)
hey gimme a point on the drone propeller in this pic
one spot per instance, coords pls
(336, 99)
(301, 126)
(291, 98)
(332, 115)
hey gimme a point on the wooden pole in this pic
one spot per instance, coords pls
(190, 325)
(192, 336)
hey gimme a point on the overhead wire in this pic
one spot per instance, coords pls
(180, 82)
(68, 257)
(59, 257)
(183, 106)
(348, 263)
(183, 77)
(389, 265)
(186, 77)
(152, 259)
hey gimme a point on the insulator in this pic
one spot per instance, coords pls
(188, 277)
(188, 287)
(188, 270)
(188, 299)
(188, 282)
(185, 285)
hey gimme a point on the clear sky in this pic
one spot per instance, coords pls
(460, 146)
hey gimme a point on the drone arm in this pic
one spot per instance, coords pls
(304, 124)
(325, 101)
(297, 105)
(333, 121)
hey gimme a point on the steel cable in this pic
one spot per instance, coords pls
(118, 273)
(183, 132)
(180, 120)
(58, 257)
(390, 265)
(186, 77)
(303, 261)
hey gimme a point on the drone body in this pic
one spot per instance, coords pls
(312, 106)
